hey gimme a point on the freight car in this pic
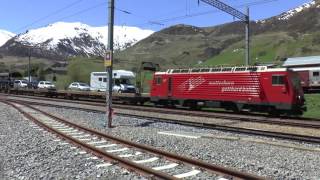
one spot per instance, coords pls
(5, 82)
(130, 98)
(310, 78)
(257, 89)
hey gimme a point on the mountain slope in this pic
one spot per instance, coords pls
(292, 33)
(5, 36)
(63, 39)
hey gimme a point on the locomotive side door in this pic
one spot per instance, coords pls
(279, 89)
(169, 86)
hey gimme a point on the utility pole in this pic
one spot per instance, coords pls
(235, 13)
(247, 38)
(108, 64)
(29, 81)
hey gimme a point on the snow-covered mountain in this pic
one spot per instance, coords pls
(292, 12)
(5, 36)
(64, 39)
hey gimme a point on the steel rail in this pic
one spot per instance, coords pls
(299, 122)
(204, 165)
(143, 170)
(281, 135)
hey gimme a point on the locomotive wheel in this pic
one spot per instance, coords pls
(194, 106)
(235, 108)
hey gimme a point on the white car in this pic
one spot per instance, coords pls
(46, 85)
(20, 84)
(79, 86)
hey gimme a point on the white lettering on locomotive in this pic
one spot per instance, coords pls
(240, 89)
(224, 82)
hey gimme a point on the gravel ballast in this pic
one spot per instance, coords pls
(275, 159)
(28, 152)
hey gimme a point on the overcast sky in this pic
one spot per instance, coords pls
(19, 15)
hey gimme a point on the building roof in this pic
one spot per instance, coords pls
(302, 61)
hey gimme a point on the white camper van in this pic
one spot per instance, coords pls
(123, 81)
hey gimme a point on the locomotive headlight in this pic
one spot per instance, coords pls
(299, 97)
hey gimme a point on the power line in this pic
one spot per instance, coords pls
(214, 11)
(82, 11)
(132, 14)
(49, 15)
(162, 21)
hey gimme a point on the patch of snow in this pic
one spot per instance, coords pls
(5, 36)
(261, 21)
(292, 12)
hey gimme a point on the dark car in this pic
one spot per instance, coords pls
(34, 84)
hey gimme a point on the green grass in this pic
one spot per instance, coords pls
(268, 48)
(313, 106)
(63, 81)
(79, 69)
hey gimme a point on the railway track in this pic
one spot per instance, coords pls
(126, 152)
(216, 126)
(285, 121)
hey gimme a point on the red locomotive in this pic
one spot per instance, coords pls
(255, 88)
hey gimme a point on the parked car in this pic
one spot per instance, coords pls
(46, 85)
(79, 86)
(20, 84)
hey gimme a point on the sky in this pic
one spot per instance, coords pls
(17, 16)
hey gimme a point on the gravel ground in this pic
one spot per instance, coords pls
(282, 160)
(234, 123)
(30, 153)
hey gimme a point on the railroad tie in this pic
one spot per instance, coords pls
(146, 160)
(187, 174)
(169, 166)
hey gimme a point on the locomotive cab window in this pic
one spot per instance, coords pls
(315, 74)
(158, 80)
(277, 80)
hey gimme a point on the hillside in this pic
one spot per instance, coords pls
(293, 33)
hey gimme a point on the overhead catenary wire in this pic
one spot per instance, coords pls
(83, 11)
(159, 22)
(190, 15)
(49, 15)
